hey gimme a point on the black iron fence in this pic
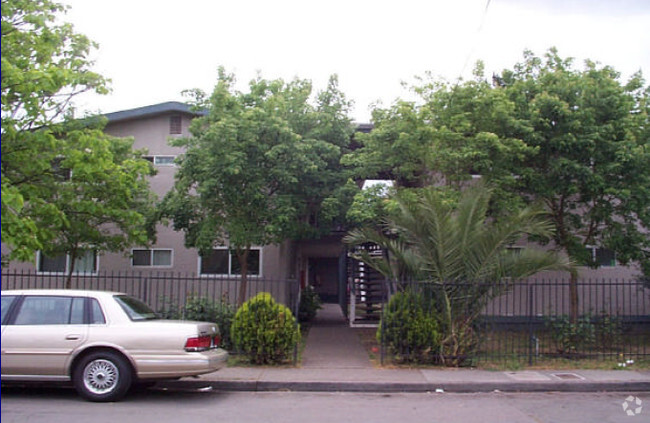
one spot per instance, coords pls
(163, 291)
(525, 321)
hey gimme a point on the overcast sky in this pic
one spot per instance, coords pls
(154, 49)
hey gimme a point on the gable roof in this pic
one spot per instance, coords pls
(152, 110)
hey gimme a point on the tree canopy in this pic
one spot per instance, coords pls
(64, 182)
(261, 166)
(575, 140)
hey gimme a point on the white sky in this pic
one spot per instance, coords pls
(154, 49)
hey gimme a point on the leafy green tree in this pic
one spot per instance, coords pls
(101, 188)
(44, 66)
(260, 167)
(453, 132)
(461, 253)
(576, 141)
(591, 168)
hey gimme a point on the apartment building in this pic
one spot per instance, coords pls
(321, 262)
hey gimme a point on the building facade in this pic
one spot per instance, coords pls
(320, 263)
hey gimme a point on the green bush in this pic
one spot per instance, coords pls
(410, 328)
(204, 309)
(569, 338)
(310, 303)
(609, 330)
(265, 331)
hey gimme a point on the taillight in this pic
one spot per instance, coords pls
(202, 343)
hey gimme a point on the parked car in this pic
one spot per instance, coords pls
(103, 342)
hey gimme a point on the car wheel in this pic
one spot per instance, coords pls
(102, 376)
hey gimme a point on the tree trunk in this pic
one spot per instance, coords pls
(242, 256)
(73, 258)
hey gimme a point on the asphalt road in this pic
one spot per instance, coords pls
(36, 405)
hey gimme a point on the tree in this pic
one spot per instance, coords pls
(44, 66)
(260, 167)
(592, 163)
(101, 188)
(461, 253)
(454, 132)
(576, 141)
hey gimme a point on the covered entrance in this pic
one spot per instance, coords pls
(324, 277)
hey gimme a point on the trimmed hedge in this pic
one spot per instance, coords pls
(265, 331)
(410, 328)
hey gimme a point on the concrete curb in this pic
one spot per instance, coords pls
(397, 387)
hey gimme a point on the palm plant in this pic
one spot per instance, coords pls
(459, 254)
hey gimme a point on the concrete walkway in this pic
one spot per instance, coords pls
(335, 361)
(332, 343)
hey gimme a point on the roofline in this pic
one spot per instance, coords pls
(179, 107)
(152, 110)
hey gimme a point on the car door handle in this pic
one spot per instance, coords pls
(73, 337)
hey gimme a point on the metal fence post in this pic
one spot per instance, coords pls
(531, 332)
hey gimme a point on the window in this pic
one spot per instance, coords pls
(605, 257)
(43, 310)
(222, 261)
(96, 314)
(515, 250)
(175, 126)
(161, 160)
(601, 257)
(135, 309)
(85, 263)
(151, 257)
(7, 301)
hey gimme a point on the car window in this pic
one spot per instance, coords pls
(77, 311)
(7, 300)
(96, 315)
(135, 309)
(43, 310)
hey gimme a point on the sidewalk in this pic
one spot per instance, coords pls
(335, 361)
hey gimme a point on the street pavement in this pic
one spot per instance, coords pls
(335, 361)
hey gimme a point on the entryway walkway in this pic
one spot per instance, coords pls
(332, 343)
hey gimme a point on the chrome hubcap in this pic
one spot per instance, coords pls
(101, 376)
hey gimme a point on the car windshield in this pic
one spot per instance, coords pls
(135, 309)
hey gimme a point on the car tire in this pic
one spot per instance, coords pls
(102, 376)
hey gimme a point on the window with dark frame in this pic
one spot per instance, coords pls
(161, 160)
(224, 262)
(601, 257)
(151, 257)
(85, 263)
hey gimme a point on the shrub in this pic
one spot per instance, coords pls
(410, 328)
(569, 337)
(609, 330)
(309, 304)
(264, 330)
(204, 309)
